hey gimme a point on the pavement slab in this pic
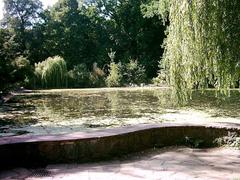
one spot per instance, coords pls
(155, 164)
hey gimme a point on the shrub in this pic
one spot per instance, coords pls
(38, 73)
(97, 77)
(134, 73)
(115, 76)
(161, 79)
(79, 76)
(52, 73)
(22, 70)
(21, 62)
(232, 140)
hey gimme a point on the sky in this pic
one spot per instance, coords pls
(46, 3)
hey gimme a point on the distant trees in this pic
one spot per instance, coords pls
(82, 33)
(133, 36)
(19, 17)
(79, 76)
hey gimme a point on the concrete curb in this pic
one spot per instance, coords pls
(81, 147)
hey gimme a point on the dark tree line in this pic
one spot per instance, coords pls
(81, 32)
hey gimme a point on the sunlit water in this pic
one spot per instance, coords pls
(65, 111)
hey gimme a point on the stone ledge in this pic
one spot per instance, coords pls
(99, 145)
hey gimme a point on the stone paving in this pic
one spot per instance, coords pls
(168, 163)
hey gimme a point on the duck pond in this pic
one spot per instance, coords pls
(74, 110)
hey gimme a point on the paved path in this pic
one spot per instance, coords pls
(170, 163)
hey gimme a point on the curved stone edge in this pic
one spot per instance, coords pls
(105, 144)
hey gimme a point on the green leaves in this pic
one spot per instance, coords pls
(160, 8)
(115, 78)
(79, 76)
(81, 32)
(201, 49)
(134, 73)
(21, 13)
(52, 72)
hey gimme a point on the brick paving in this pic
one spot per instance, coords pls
(168, 163)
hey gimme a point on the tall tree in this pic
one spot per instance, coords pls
(5, 65)
(19, 18)
(202, 45)
(73, 33)
(132, 35)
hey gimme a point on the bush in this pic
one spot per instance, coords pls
(161, 79)
(134, 73)
(97, 77)
(22, 71)
(21, 63)
(79, 76)
(232, 140)
(22, 68)
(115, 76)
(51, 73)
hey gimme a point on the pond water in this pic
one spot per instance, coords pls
(65, 111)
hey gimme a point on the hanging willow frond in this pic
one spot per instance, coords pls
(202, 45)
(52, 72)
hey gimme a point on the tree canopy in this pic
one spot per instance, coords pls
(81, 32)
(19, 17)
(200, 51)
(202, 44)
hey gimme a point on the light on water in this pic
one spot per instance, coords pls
(66, 111)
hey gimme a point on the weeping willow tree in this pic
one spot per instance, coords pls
(202, 47)
(52, 73)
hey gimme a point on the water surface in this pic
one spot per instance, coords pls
(65, 111)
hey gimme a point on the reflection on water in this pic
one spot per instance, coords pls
(77, 110)
(98, 106)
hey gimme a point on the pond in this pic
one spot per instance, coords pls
(73, 110)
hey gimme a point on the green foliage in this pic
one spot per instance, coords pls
(232, 140)
(22, 70)
(202, 45)
(21, 63)
(19, 17)
(97, 77)
(76, 35)
(160, 8)
(130, 73)
(52, 73)
(82, 32)
(115, 76)
(79, 76)
(161, 79)
(133, 36)
(21, 66)
(21, 13)
(134, 73)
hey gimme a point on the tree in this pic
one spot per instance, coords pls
(115, 76)
(133, 36)
(19, 17)
(5, 65)
(82, 32)
(52, 73)
(202, 45)
(75, 33)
